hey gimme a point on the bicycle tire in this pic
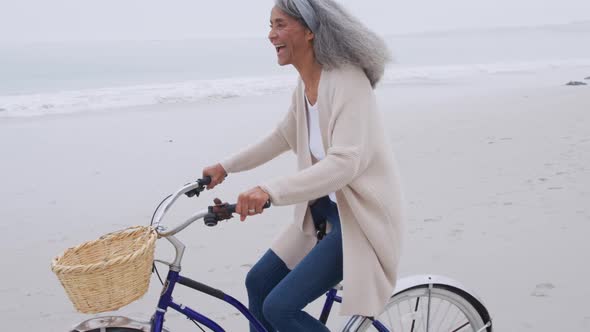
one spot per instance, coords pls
(469, 314)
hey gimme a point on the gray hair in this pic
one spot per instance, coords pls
(342, 39)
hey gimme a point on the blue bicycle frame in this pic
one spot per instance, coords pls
(166, 301)
(173, 278)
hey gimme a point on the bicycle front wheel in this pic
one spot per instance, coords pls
(436, 308)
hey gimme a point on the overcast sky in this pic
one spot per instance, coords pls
(50, 20)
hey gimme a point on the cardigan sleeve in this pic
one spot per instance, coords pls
(348, 155)
(272, 145)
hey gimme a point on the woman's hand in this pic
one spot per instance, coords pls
(251, 202)
(217, 174)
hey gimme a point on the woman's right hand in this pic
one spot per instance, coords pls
(217, 174)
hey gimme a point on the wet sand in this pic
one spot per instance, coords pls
(496, 173)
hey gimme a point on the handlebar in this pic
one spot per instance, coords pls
(190, 189)
(212, 215)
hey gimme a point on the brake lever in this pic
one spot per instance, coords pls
(202, 183)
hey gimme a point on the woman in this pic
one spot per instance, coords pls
(347, 174)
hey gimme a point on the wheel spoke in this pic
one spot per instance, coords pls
(422, 322)
(415, 311)
(410, 310)
(428, 310)
(443, 317)
(435, 313)
(460, 327)
(456, 316)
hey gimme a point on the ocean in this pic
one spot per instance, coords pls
(67, 77)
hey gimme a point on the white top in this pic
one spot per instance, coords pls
(316, 146)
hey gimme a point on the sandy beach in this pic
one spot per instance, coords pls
(496, 174)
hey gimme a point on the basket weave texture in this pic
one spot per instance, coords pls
(110, 272)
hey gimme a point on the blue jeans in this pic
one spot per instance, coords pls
(277, 295)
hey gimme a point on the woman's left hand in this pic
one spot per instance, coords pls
(251, 202)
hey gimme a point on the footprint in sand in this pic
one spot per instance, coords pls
(456, 233)
(542, 290)
(554, 188)
(416, 230)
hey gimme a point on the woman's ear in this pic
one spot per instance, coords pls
(309, 35)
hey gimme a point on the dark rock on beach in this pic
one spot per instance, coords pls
(575, 83)
(587, 78)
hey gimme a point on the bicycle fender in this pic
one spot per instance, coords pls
(113, 322)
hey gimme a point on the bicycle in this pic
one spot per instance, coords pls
(414, 306)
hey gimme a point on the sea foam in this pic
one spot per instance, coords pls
(73, 101)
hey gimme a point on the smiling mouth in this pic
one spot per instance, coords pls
(279, 48)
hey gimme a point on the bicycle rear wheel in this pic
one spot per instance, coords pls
(440, 308)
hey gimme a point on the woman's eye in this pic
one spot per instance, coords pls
(277, 26)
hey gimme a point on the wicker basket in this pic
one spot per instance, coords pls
(108, 273)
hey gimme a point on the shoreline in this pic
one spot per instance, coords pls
(201, 93)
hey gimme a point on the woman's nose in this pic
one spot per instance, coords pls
(272, 35)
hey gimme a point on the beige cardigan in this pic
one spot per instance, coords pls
(359, 166)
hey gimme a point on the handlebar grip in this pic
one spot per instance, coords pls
(205, 180)
(210, 220)
(202, 183)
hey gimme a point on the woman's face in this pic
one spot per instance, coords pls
(292, 40)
